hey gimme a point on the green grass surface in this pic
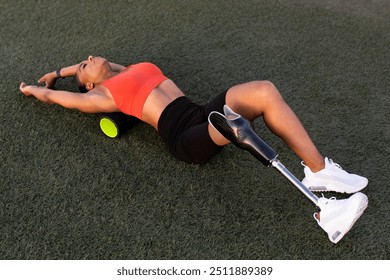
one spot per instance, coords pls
(69, 192)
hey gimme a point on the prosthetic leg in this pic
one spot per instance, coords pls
(239, 131)
(337, 216)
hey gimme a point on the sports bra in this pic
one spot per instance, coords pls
(132, 86)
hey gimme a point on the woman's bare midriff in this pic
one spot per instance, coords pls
(158, 100)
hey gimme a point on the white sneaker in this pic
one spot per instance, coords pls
(333, 178)
(338, 216)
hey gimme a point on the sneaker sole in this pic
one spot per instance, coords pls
(336, 188)
(360, 207)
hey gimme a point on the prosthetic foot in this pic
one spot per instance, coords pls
(338, 217)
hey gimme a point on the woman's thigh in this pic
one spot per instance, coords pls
(251, 99)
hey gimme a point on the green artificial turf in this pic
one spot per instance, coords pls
(69, 192)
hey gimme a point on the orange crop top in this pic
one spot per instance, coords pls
(132, 86)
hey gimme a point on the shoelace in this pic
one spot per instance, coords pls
(331, 162)
(334, 164)
(330, 201)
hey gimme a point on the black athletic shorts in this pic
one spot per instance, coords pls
(183, 126)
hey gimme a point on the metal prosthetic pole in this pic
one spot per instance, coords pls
(286, 173)
(239, 131)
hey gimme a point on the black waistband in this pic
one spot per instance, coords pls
(176, 117)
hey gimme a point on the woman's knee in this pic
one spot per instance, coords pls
(252, 99)
(264, 96)
(267, 91)
(261, 89)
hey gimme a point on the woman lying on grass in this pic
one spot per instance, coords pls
(143, 91)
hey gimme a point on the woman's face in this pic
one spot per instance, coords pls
(92, 71)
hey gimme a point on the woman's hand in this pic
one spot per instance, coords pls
(49, 79)
(32, 90)
(41, 93)
(26, 89)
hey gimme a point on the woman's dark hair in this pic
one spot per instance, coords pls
(81, 87)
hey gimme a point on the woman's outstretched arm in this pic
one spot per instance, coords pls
(91, 102)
